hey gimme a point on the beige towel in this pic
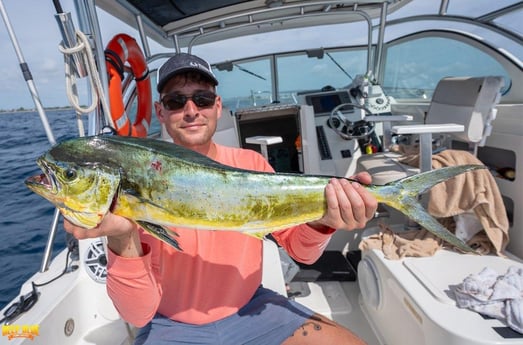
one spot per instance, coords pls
(475, 191)
(417, 243)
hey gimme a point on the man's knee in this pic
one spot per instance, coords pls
(321, 330)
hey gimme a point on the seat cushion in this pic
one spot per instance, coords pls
(384, 167)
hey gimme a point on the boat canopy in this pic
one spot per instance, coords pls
(180, 23)
(183, 23)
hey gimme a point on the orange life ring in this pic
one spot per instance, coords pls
(121, 49)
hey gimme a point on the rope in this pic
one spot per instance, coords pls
(98, 96)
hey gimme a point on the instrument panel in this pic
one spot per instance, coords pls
(335, 153)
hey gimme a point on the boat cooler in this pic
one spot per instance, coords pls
(411, 301)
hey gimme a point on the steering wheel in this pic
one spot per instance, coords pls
(347, 129)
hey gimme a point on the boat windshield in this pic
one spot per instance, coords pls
(410, 72)
(248, 83)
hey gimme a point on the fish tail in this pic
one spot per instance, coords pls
(417, 212)
(403, 196)
(420, 183)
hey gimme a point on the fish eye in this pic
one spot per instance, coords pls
(70, 174)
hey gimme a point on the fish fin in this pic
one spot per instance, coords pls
(420, 183)
(162, 233)
(258, 234)
(418, 213)
(405, 200)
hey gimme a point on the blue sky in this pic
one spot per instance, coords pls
(38, 36)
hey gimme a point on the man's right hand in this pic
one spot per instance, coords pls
(122, 234)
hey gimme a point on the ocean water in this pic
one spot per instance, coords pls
(25, 218)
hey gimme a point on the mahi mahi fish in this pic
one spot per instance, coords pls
(161, 185)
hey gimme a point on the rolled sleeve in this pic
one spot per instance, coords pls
(304, 243)
(132, 287)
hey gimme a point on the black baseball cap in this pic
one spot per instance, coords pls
(183, 62)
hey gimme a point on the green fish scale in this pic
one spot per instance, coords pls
(194, 190)
(165, 184)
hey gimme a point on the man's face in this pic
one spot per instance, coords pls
(191, 125)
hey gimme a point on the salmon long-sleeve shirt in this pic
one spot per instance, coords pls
(216, 274)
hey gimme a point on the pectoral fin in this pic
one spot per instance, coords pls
(162, 233)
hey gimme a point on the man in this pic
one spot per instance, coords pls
(211, 292)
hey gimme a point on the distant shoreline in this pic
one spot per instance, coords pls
(11, 111)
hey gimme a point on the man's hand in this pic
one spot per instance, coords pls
(122, 235)
(349, 205)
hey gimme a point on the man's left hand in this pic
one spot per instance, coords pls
(349, 204)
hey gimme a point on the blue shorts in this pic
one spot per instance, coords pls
(268, 318)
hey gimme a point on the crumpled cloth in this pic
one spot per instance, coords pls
(478, 194)
(469, 205)
(497, 296)
(395, 246)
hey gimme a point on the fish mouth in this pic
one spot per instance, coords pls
(43, 182)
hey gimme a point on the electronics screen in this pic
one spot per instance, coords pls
(324, 102)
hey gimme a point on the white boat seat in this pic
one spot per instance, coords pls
(272, 272)
(384, 167)
(462, 107)
(226, 130)
(264, 141)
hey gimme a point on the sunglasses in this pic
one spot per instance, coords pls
(175, 101)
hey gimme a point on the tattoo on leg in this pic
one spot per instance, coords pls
(315, 326)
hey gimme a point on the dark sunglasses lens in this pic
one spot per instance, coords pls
(204, 99)
(174, 102)
(201, 99)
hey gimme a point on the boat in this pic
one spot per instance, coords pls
(318, 87)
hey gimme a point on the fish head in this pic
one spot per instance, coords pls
(83, 192)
